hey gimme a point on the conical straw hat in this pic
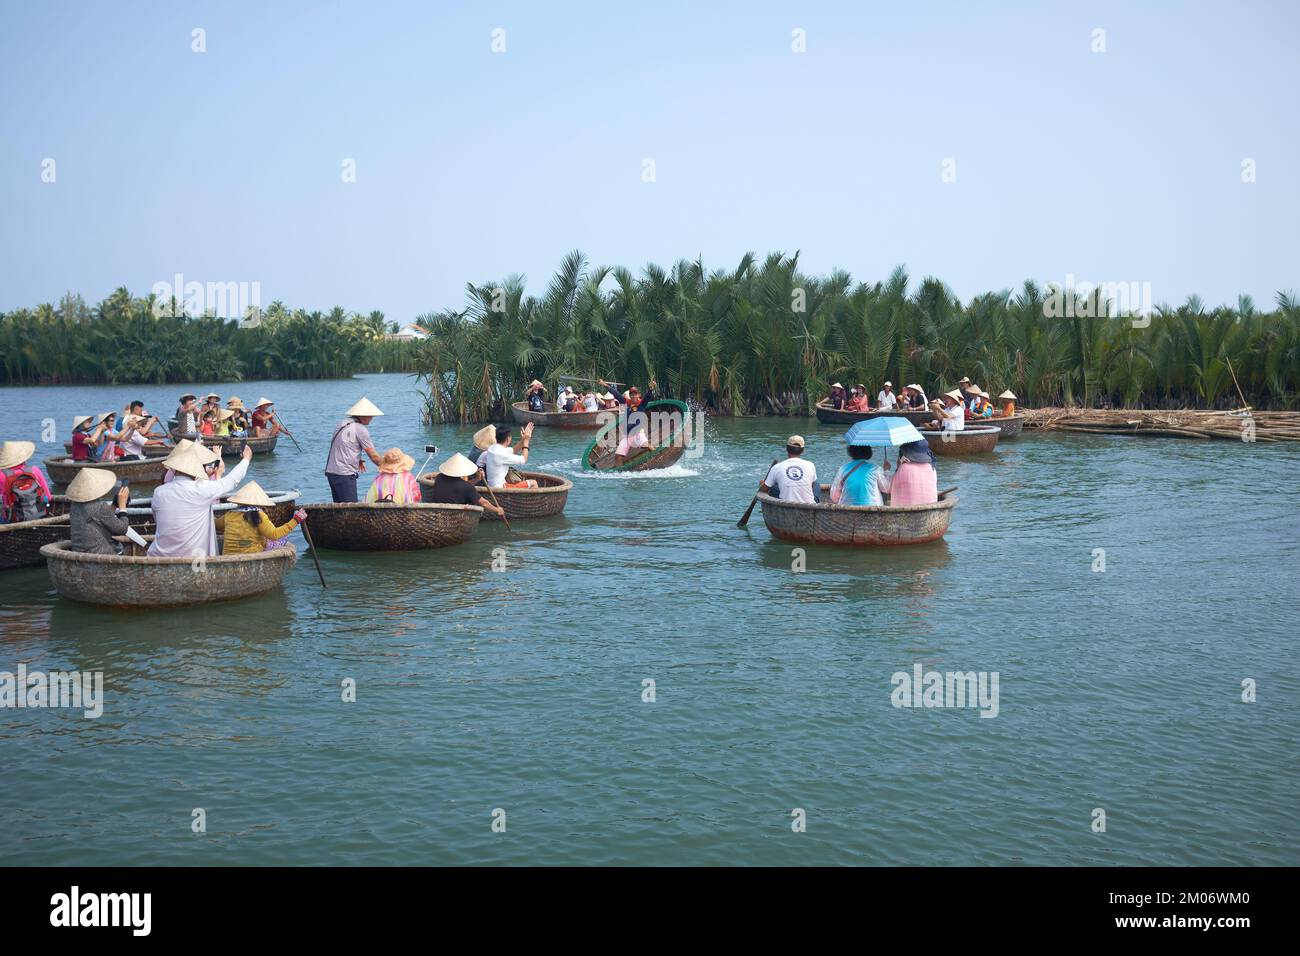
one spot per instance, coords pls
(485, 437)
(91, 484)
(189, 462)
(395, 461)
(13, 453)
(1008, 394)
(252, 494)
(79, 420)
(364, 409)
(457, 466)
(263, 401)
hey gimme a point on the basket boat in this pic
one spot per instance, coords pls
(135, 580)
(599, 455)
(384, 526)
(971, 440)
(554, 418)
(21, 542)
(838, 416)
(544, 501)
(857, 525)
(1009, 425)
(150, 451)
(150, 471)
(140, 512)
(233, 446)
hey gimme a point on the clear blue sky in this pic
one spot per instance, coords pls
(226, 165)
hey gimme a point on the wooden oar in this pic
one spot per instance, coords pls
(744, 519)
(311, 545)
(492, 495)
(947, 491)
(287, 432)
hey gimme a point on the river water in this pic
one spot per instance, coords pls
(519, 695)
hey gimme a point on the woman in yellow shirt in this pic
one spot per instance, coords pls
(248, 530)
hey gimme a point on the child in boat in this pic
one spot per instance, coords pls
(395, 483)
(915, 481)
(248, 530)
(861, 481)
(209, 426)
(24, 489)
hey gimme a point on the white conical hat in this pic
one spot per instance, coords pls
(1008, 394)
(364, 409)
(14, 453)
(191, 461)
(79, 420)
(484, 438)
(252, 494)
(91, 484)
(458, 466)
(263, 401)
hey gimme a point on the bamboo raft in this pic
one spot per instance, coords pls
(1239, 425)
(135, 580)
(385, 526)
(545, 501)
(21, 542)
(838, 416)
(150, 471)
(856, 525)
(554, 418)
(971, 440)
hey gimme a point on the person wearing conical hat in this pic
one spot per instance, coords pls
(454, 485)
(135, 435)
(183, 506)
(248, 530)
(24, 489)
(978, 405)
(264, 423)
(536, 396)
(948, 413)
(94, 521)
(886, 400)
(1008, 400)
(589, 402)
(351, 440)
(395, 483)
(913, 397)
(484, 439)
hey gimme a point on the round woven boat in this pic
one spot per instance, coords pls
(545, 501)
(233, 446)
(150, 451)
(1009, 425)
(971, 440)
(554, 418)
(147, 472)
(21, 543)
(383, 526)
(859, 526)
(838, 416)
(133, 580)
(648, 460)
(600, 456)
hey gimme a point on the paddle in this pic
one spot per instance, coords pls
(744, 519)
(311, 546)
(287, 432)
(947, 491)
(493, 496)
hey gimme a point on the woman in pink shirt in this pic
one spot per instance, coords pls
(915, 482)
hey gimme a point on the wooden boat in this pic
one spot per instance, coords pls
(837, 416)
(544, 501)
(600, 456)
(140, 512)
(234, 446)
(21, 542)
(150, 471)
(135, 580)
(383, 526)
(857, 525)
(150, 451)
(971, 440)
(554, 418)
(1009, 425)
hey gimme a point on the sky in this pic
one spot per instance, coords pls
(984, 143)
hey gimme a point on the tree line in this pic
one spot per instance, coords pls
(765, 338)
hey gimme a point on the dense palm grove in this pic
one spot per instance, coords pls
(122, 341)
(737, 342)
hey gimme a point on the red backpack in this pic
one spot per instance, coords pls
(24, 500)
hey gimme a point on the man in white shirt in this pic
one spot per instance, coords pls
(950, 414)
(886, 399)
(497, 461)
(794, 479)
(182, 507)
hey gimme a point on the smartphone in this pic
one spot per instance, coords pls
(431, 449)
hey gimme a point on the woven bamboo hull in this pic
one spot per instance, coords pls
(137, 581)
(375, 526)
(1010, 426)
(148, 472)
(140, 513)
(235, 446)
(854, 525)
(834, 416)
(648, 460)
(545, 501)
(557, 419)
(21, 543)
(969, 441)
(150, 451)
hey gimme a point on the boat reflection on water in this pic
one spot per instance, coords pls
(909, 572)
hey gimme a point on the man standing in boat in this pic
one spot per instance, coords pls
(351, 440)
(794, 479)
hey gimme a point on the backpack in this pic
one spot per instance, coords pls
(22, 500)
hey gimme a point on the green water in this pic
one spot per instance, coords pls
(522, 689)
